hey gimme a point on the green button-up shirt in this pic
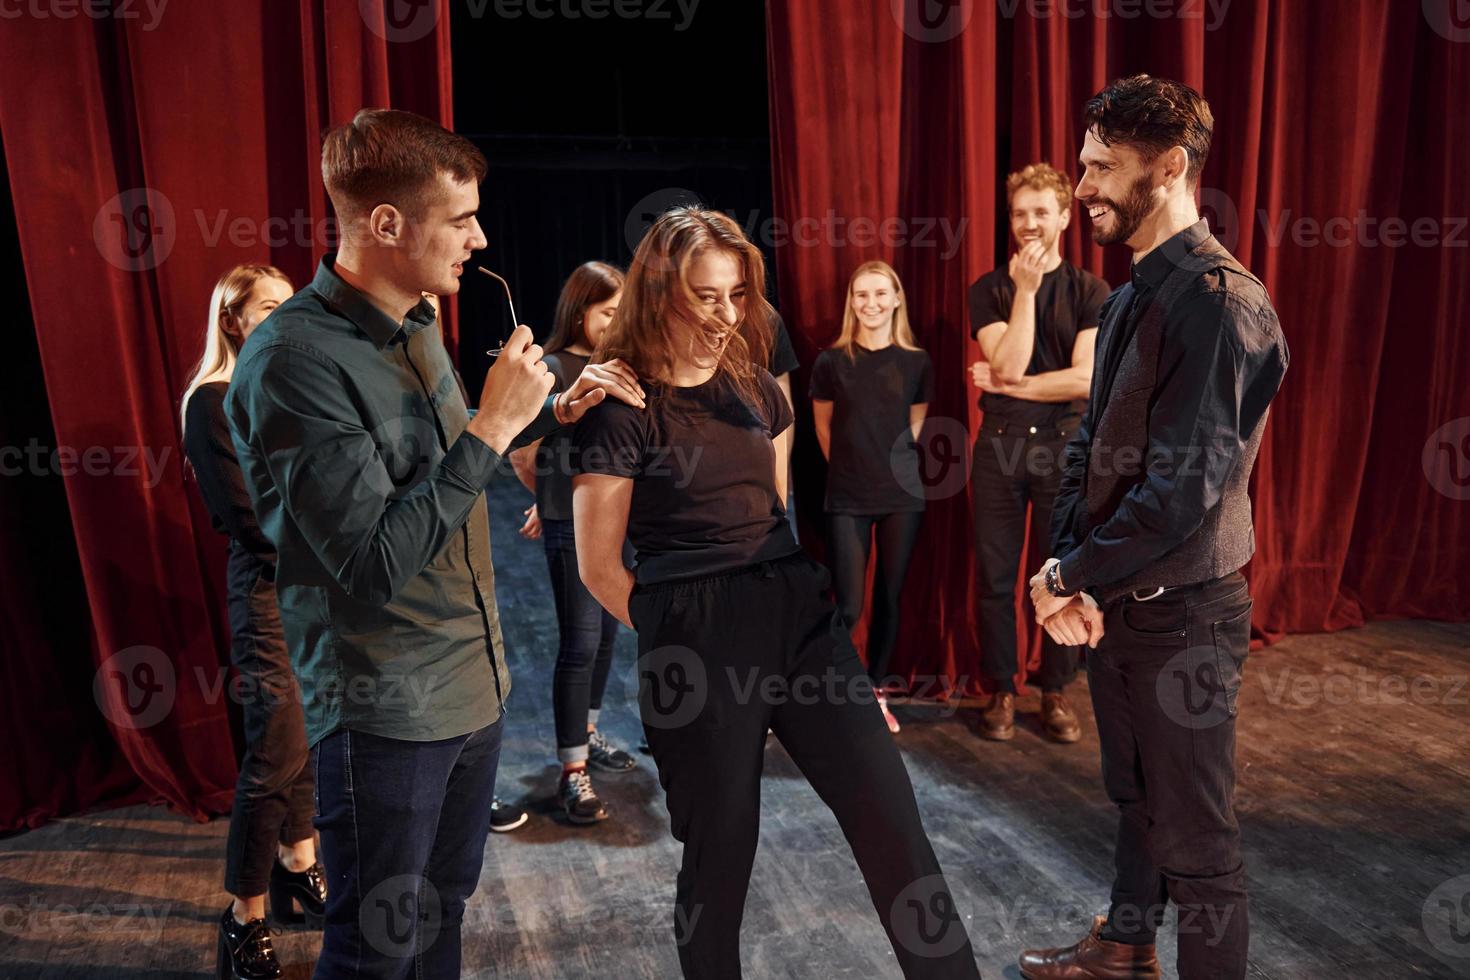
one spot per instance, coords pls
(350, 432)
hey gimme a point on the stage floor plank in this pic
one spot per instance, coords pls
(1353, 799)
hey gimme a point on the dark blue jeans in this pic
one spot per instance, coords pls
(403, 828)
(584, 657)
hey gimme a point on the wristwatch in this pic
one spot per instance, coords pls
(1054, 582)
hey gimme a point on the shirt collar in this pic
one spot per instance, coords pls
(363, 312)
(1149, 271)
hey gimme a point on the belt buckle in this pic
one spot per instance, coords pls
(1145, 598)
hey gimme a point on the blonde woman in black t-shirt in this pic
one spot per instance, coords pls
(870, 392)
(736, 632)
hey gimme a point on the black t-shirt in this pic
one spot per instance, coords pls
(1066, 304)
(872, 458)
(703, 471)
(553, 458)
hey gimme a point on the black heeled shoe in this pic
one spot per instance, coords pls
(245, 951)
(307, 888)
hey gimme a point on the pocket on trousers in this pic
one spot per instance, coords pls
(1231, 639)
(1163, 623)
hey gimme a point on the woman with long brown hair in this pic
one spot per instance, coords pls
(588, 300)
(736, 632)
(271, 844)
(870, 393)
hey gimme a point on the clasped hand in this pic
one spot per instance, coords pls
(1069, 620)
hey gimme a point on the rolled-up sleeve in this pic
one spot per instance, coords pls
(301, 424)
(1213, 349)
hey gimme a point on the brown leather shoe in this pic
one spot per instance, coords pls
(998, 719)
(1091, 959)
(1058, 719)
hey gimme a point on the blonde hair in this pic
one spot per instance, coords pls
(1040, 177)
(221, 350)
(903, 335)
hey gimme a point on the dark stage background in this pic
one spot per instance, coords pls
(142, 160)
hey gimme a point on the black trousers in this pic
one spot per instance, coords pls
(584, 656)
(721, 659)
(1014, 467)
(273, 793)
(848, 543)
(1164, 683)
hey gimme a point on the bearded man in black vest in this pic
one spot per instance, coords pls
(1149, 531)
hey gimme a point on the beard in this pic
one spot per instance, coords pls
(1128, 214)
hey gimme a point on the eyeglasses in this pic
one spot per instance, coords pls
(496, 351)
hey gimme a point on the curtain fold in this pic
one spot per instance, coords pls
(145, 158)
(1330, 128)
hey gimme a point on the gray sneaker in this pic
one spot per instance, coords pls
(578, 799)
(606, 756)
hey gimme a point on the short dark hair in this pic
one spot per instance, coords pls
(394, 157)
(1152, 115)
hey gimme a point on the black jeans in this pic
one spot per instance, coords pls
(273, 793)
(1013, 467)
(403, 828)
(585, 655)
(722, 658)
(848, 544)
(1164, 681)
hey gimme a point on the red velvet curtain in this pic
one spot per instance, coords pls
(1342, 135)
(146, 156)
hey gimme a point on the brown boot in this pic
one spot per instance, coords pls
(1091, 959)
(1058, 719)
(998, 719)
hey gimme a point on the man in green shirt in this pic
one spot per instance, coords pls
(367, 472)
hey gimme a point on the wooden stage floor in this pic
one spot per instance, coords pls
(1354, 801)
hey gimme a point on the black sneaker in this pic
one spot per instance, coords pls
(578, 799)
(607, 756)
(504, 817)
(244, 951)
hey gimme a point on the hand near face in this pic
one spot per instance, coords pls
(1026, 267)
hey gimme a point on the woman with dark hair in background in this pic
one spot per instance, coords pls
(271, 844)
(736, 633)
(870, 392)
(588, 301)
